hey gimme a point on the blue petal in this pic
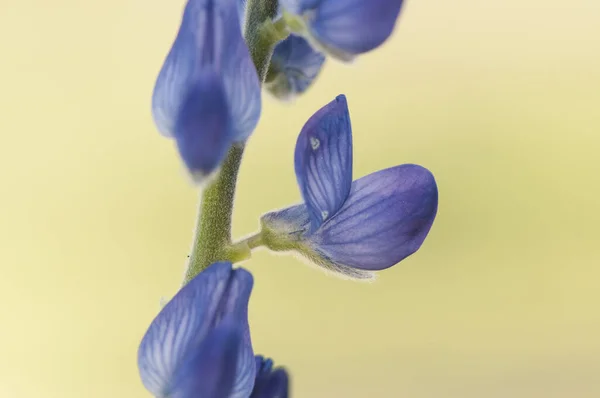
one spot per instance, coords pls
(263, 366)
(385, 219)
(196, 47)
(210, 37)
(349, 26)
(294, 67)
(299, 6)
(236, 302)
(241, 4)
(210, 371)
(179, 329)
(289, 230)
(323, 160)
(270, 383)
(241, 81)
(202, 129)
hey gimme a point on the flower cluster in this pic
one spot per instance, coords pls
(207, 98)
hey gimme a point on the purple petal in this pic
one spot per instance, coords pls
(210, 370)
(241, 80)
(263, 366)
(241, 4)
(384, 220)
(349, 26)
(210, 38)
(299, 6)
(294, 67)
(202, 129)
(236, 302)
(323, 160)
(198, 46)
(289, 230)
(179, 329)
(270, 383)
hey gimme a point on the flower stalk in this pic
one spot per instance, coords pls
(212, 237)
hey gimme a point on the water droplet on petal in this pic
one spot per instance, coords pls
(314, 143)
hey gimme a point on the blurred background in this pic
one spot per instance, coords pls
(499, 99)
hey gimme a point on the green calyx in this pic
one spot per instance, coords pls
(296, 24)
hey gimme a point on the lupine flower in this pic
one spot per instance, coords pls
(199, 344)
(207, 95)
(270, 383)
(345, 28)
(348, 227)
(294, 67)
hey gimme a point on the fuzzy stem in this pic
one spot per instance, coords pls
(213, 228)
(260, 33)
(212, 238)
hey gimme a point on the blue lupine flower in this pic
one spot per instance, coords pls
(207, 95)
(350, 227)
(294, 67)
(270, 383)
(345, 28)
(199, 344)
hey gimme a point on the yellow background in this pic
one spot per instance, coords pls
(500, 99)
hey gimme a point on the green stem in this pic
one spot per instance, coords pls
(242, 250)
(261, 34)
(213, 228)
(251, 242)
(212, 239)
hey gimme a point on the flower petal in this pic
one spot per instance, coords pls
(288, 230)
(210, 37)
(241, 79)
(236, 302)
(210, 371)
(270, 383)
(198, 46)
(202, 129)
(323, 160)
(294, 67)
(182, 325)
(263, 366)
(385, 219)
(299, 6)
(348, 27)
(242, 6)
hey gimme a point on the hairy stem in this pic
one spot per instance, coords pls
(261, 34)
(212, 238)
(213, 228)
